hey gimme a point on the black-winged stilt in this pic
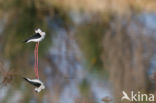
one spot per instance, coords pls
(37, 83)
(37, 37)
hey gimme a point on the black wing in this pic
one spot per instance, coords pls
(33, 83)
(35, 36)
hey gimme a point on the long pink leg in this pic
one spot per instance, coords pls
(35, 51)
(37, 60)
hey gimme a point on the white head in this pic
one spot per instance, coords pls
(40, 32)
(40, 88)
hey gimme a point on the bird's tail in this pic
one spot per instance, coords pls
(25, 41)
(25, 79)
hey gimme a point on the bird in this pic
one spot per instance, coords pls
(37, 83)
(37, 37)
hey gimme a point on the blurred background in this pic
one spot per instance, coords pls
(93, 50)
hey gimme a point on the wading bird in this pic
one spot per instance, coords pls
(37, 83)
(37, 37)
